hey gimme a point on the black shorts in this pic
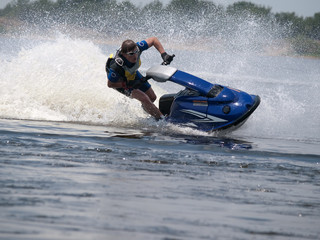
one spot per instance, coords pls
(127, 91)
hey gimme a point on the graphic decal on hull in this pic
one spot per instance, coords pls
(203, 117)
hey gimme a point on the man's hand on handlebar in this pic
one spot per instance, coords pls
(167, 59)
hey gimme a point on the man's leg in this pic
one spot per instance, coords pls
(146, 102)
(151, 94)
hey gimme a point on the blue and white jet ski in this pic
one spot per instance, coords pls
(203, 105)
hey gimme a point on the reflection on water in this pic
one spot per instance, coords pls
(76, 181)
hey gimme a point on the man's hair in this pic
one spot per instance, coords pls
(127, 46)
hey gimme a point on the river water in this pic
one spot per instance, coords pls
(80, 161)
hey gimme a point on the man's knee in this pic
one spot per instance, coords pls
(141, 96)
(145, 98)
(153, 97)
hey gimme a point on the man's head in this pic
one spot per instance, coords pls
(129, 50)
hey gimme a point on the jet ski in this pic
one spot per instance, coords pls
(202, 105)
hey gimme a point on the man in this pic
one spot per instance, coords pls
(123, 74)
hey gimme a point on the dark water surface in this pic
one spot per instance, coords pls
(74, 181)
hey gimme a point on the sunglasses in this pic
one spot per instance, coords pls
(133, 53)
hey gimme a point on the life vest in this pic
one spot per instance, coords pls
(117, 63)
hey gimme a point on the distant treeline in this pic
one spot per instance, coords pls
(180, 17)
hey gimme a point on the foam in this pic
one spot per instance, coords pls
(63, 79)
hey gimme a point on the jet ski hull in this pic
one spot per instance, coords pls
(203, 105)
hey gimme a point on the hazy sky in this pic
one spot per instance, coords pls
(305, 8)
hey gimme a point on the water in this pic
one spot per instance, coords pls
(80, 161)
